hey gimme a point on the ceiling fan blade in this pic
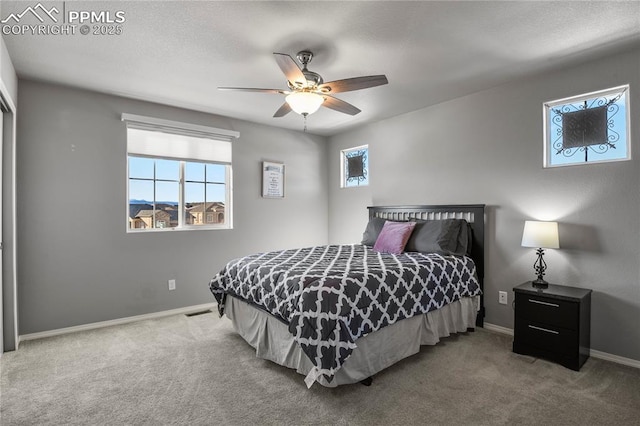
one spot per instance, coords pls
(356, 83)
(339, 105)
(250, 89)
(283, 110)
(290, 69)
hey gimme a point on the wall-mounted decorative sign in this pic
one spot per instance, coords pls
(272, 180)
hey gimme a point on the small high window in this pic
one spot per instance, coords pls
(354, 167)
(590, 128)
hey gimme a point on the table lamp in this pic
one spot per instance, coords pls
(540, 235)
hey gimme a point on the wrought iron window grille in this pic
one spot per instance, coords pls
(585, 127)
(355, 166)
(589, 128)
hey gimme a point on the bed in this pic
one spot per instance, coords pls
(339, 314)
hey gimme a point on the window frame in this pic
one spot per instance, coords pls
(343, 157)
(547, 127)
(204, 145)
(182, 210)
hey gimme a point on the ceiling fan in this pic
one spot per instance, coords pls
(308, 91)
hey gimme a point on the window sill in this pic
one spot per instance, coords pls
(194, 228)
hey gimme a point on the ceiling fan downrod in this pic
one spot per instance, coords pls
(305, 57)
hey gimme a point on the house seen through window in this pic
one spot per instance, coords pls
(177, 179)
(155, 186)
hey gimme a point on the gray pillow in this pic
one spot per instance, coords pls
(448, 236)
(465, 240)
(372, 231)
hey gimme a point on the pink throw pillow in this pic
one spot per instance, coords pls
(393, 237)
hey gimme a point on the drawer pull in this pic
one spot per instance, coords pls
(546, 330)
(539, 302)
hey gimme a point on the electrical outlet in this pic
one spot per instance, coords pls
(172, 284)
(502, 297)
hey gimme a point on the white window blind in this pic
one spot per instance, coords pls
(156, 137)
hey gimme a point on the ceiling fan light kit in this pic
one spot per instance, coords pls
(304, 103)
(308, 91)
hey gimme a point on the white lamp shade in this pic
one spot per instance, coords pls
(304, 102)
(540, 234)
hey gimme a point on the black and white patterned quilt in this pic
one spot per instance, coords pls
(332, 295)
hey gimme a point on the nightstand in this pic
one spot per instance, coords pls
(553, 323)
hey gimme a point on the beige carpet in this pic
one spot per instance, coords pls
(196, 371)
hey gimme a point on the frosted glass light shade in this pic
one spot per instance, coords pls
(304, 102)
(540, 234)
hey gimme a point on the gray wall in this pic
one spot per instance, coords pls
(487, 148)
(76, 263)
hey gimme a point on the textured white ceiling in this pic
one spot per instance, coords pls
(179, 52)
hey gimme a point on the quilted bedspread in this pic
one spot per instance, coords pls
(332, 295)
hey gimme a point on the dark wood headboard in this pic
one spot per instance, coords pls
(472, 213)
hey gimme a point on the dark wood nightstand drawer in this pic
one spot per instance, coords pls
(543, 336)
(544, 310)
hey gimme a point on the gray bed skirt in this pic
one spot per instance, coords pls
(375, 352)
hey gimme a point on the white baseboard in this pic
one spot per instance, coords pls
(101, 324)
(498, 329)
(594, 353)
(615, 358)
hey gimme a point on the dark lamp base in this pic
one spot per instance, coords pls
(540, 283)
(540, 266)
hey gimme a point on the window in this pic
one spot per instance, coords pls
(354, 167)
(590, 128)
(178, 175)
